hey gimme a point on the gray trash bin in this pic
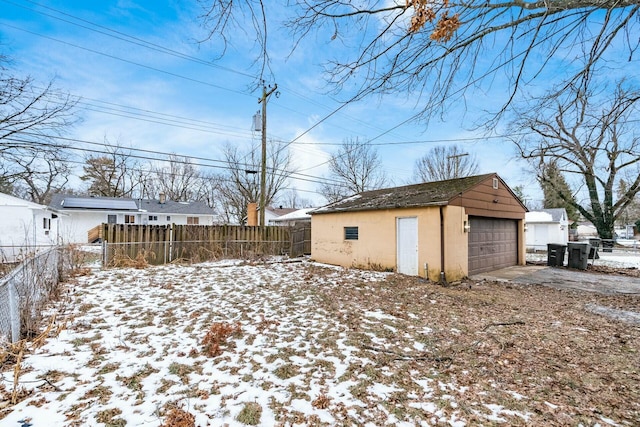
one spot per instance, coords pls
(578, 255)
(555, 254)
(607, 245)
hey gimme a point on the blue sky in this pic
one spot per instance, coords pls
(113, 55)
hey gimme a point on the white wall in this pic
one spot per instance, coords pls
(76, 224)
(22, 228)
(180, 219)
(538, 235)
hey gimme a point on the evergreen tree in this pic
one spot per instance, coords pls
(556, 190)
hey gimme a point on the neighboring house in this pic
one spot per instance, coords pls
(443, 230)
(25, 227)
(546, 226)
(585, 230)
(271, 213)
(293, 218)
(85, 213)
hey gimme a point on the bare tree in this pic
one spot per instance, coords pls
(31, 117)
(592, 141)
(444, 162)
(355, 168)
(631, 213)
(112, 174)
(225, 19)
(438, 50)
(240, 185)
(290, 198)
(180, 180)
(36, 174)
(208, 191)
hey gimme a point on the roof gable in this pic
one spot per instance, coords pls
(436, 193)
(9, 200)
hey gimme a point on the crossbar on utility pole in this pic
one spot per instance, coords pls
(456, 165)
(263, 174)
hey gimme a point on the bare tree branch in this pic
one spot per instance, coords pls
(355, 168)
(590, 138)
(442, 163)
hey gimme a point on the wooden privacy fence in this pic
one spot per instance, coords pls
(301, 239)
(160, 244)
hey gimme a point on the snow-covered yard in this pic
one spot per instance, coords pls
(317, 345)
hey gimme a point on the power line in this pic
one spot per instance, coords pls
(144, 43)
(218, 164)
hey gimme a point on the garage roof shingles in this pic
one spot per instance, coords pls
(409, 196)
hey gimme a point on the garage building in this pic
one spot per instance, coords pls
(443, 230)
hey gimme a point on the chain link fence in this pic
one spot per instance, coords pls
(25, 290)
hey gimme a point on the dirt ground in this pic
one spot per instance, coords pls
(558, 359)
(475, 353)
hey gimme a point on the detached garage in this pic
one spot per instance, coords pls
(443, 230)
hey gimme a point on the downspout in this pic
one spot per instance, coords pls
(443, 279)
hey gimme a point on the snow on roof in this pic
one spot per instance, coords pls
(295, 215)
(546, 215)
(538, 216)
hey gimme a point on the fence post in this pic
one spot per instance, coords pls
(14, 312)
(105, 253)
(170, 242)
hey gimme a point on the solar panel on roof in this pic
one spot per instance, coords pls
(109, 204)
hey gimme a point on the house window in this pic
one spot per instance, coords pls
(351, 233)
(46, 223)
(495, 183)
(129, 219)
(112, 219)
(193, 220)
(153, 217)
(168, 217)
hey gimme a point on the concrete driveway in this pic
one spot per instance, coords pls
(564, 278)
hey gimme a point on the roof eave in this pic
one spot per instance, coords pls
(381, 208)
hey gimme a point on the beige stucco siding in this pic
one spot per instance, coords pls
(376, 244)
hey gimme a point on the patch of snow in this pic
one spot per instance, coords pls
(610, 421)
(623, 315)
(378, 315)
(516, 395)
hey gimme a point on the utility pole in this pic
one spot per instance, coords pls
(266, 92)
(456, 165)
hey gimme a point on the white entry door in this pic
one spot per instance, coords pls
(407, 245)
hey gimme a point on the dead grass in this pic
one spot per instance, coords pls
(121, 259)
(362, 348)
(250, 414)
(217, 336)
(110, 418)
(493, 339)
(177, 417)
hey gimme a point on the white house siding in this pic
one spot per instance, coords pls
(22, 227)
(178, 219)
(543, 230)
(76, 224)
